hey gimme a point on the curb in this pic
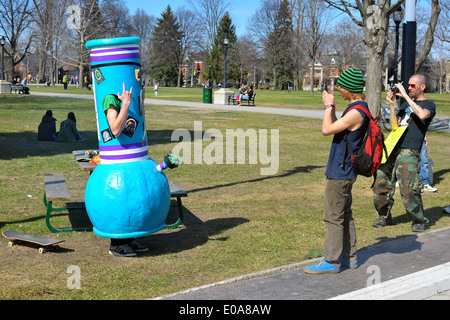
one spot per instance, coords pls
(415, 286)
(243, 277)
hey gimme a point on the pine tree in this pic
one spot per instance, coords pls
(166, 49)
(215, 57)
(279, 48)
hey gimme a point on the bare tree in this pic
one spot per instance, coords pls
(429, 35)
(209, 13)
(143, 25)
(299, 52)
(47, 17)
(443, 28)
(15, 19)
(262, 26)
(116, 19)
(374, 19)
(346, 40)
(191, 33)
(263, 22)
(316, 22)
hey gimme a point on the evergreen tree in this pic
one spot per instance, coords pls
(166, 49)
(216, 56)
(279, 48)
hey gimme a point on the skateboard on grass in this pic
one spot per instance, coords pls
(43, 242)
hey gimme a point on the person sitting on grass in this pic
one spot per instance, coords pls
(68, 130)
(47, 127)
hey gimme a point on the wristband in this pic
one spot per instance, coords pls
(329, 105)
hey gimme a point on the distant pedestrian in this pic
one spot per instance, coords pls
(64, 80)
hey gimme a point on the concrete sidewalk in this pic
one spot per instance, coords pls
(442, 124)
(415, 267)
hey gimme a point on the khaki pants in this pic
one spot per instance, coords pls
(340, 237)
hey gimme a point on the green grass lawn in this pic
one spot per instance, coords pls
(237, 221)
(264, 98)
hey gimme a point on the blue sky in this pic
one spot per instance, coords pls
(240, 10)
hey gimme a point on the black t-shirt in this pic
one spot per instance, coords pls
(415, 134)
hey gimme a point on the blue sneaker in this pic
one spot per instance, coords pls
(350, 265)
(321, 267)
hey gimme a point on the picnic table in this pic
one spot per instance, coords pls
(83, 162)
(175, 191)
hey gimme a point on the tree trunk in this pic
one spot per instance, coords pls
(375, 38)
(179, 76)
(373, 87)
(429, 36)
(274, 78)
(42, 61)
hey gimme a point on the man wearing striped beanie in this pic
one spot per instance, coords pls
(351, 80)
(340, 237)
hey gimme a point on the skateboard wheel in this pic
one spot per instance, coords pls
(41, 250)
(10, 244)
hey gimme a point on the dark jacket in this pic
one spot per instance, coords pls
(67, 132)
(47, 128)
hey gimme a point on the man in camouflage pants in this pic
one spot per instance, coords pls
(403, 163)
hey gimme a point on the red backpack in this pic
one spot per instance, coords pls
(368, 158)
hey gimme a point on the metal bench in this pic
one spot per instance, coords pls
(16, 88)
(232, 99)
(56, 190)
(176, 192)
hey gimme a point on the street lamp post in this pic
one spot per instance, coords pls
(398, 15)
(225, 42)
(209, 76)
(2, 43)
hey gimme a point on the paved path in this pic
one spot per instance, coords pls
(442, 124)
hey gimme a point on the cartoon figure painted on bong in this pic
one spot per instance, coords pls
(127, 194)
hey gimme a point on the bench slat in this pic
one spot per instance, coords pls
(56, 187)
(176, 192)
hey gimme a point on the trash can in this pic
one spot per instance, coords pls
(207, 95)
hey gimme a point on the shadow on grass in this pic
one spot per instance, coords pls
(195, 233)
(300, 169)
(433, 214)
(192, 233)
(17, 145)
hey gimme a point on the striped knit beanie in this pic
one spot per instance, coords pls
(352, 80)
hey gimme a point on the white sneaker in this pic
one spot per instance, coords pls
(429, 188)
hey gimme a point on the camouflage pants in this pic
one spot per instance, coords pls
(402, 166)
